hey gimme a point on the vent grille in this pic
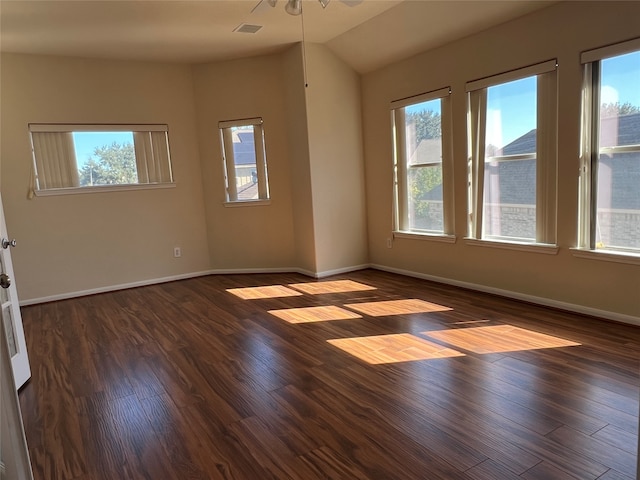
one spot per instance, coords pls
(247, 28)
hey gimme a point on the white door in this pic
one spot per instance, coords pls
(11, 317)
(14, 455)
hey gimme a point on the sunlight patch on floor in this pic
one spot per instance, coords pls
(498, 338)
(314, 314)
(396, 307)
(337, 286)
(269, 291)
(401, 347)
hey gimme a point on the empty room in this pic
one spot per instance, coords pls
(299, 239)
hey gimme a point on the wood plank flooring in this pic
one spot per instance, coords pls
(368, 375)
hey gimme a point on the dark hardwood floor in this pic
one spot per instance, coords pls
(386, 377)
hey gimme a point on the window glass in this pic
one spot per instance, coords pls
(244, 159)
(105, 158)
(618, 168)
(509, 197)
(423, 154)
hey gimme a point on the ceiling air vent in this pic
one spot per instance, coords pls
(247, 28)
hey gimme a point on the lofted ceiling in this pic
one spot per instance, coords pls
(368, 35)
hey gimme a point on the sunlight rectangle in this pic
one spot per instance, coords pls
(396, 307)
(337, 286)
(498, 338)
(269, 291)
(394, 348)
(314, 314)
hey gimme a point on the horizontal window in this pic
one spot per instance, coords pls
(92, 156)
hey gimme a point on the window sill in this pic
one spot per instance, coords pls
(544, 248)
(101, 189)
(607, 256)
(432, 237)
(248, 203)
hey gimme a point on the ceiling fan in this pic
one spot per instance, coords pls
(294, 7)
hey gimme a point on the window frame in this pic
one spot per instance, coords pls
(545, 156)
(229, 166)
(36, 190)
(590, 152)
(400, 220)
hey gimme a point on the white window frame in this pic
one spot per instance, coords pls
(226, 142)
(153, 159)
(546, 157)
(590, 151)
(400, 221)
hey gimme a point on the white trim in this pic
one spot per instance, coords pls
(242, 122)
(338, 271)
(610, 51)
(432, 237)
(248, 203)
(537, 69)
(571, 307)
(422, 97)
(546, 302)
(101, 189)
(607, 256)
(96, 127)
(113, 288)
(522, 247)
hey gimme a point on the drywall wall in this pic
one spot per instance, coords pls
(561, 31)
(336, 161)
(247, 236)
(75, 243)
(298, 143)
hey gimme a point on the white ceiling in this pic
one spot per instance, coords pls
(367, 36)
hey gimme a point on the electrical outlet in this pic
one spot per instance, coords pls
(177, 252)
(389, 242)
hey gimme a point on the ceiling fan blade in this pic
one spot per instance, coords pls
(351, 3)
(263, 6)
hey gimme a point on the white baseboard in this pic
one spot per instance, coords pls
(571, 307)
(547, 302)
(112, 288)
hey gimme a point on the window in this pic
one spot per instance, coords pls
(512, 159)
(422, 164)
(71, 158)
(244, 160)
(610, 175)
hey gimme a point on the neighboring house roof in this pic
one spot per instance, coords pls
(428, 150)
(243, 147)
(624, 167)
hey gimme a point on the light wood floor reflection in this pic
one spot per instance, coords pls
(396, 307)
(498, 338)
(269, 291)
(336, 286)
(314, 314)
(393, 348)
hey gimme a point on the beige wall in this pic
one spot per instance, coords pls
(336, 161)
(74, 243)
(246, 237)
(298, 141)
(561, 31)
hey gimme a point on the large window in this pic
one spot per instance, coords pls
(610, 180)
(422, 159)
(512, 129)
(75, 158)
(244, 160)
